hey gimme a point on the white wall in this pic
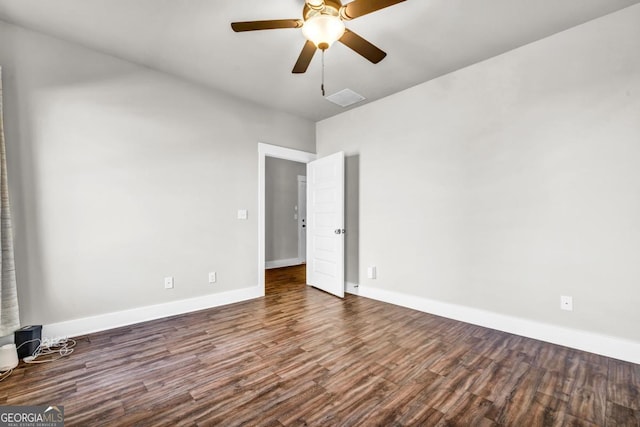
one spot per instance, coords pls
(121, 176)
(509, 183)
(281, 190)
(352, 221)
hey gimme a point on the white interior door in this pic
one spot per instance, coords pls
(325, 224)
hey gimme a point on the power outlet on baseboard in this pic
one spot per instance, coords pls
(372, 272)
(213, 276)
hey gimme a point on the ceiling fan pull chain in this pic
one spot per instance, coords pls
(322, 84)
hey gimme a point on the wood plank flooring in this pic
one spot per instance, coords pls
(302, 357)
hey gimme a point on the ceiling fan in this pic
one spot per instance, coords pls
(322, 25)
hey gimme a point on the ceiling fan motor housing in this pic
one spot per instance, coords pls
(331, 7)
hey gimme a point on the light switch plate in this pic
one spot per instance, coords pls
(242, 214)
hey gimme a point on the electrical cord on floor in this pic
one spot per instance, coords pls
(46, 352)
(5, 374)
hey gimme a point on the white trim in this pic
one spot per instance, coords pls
(351, 288)
(617, 348)
(278, 263)
(264, 151)
(87, 325)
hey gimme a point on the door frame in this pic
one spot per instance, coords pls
(278, 152)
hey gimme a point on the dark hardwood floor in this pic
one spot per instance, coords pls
(302, 357)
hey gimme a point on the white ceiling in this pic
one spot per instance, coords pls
(192, 39)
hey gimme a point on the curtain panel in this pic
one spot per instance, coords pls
(9, 314)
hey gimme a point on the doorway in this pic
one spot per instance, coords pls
(302, 219)
(285, 226)
(271, 151)
(285, 210)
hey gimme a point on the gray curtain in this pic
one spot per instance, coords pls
(9, 315)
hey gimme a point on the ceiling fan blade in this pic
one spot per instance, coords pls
(305, 58)
(266, 25)
(361, 46)
(357, 8)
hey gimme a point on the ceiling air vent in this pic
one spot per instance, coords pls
(345, 97)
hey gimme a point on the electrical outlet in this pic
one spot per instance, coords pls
(212, 277)
(372, 272)
(566, 303)
(168, 282)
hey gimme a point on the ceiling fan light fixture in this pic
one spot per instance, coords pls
(323, 30)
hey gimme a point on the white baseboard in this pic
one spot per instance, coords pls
(87, 325)
(278, 263)
(617, 348)
(351, 288)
